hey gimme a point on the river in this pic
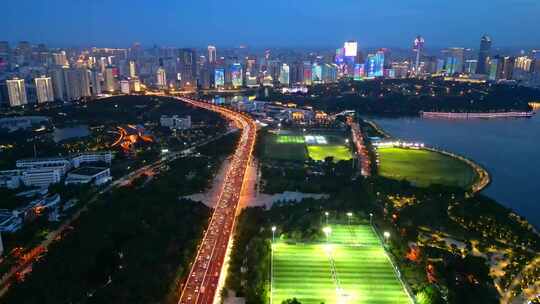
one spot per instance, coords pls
(508, 148)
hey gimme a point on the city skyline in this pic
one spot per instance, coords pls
(275, 24)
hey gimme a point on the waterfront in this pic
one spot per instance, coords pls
(508, 148)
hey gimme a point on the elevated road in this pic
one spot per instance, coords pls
(202, 282)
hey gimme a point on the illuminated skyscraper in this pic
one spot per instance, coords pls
(16, 92)
(77, 83)
(161, 78)
(375, 65)
(359, 71)
(418, 47)
(188, 68)
(219, 78)
(44, 89)
(132, 69)
(110, 79)
(307, 73)
(454, 60)
(236, 75)
(482, 66)
(316, 73)
(212, 53)
(284, 75)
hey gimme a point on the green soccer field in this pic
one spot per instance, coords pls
(424, 167)
(320, 152)
(362, 272)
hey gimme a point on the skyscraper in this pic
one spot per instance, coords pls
(77, 83)
(418, 47)
(132, 69)
(284, 75)
(212, 54)
(483, 55)
(161, 78)
(236, 75)
(454, 60)
(44, 89)
(187, 68)
(16, 92)
(110, 79)
(59, 83)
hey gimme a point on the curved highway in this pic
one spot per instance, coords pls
(202, 282)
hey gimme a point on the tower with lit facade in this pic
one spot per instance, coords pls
(16, 92)
(418, 47)
(44, 89)
(483, 56)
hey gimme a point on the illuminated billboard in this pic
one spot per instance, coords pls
(219, 78)
(351, 48)
(236, 75)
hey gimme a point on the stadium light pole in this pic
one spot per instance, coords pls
(327, 231)
(349, 216)
(326, 215)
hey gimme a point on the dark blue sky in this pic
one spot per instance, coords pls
(270, 23)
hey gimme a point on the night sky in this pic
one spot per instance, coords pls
(270, 23)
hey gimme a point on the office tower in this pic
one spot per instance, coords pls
(375, 65)
(359, 71)
(454, 60)
(16, 92)
(483, 56)
(161, 78)
(236, 75)
(135, 85)
(284, 75)
(132, 69)
(24, 52)
(329, 72)
(77, 83)
(212, 53)
(418, 47)
(44, 89)
(316, 73)
(495, 68)
(4, 55)
(351, 48)
(187, 68)
(219, 78)
(110, 79)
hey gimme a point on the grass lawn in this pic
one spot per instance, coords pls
(320, 152)
(362, 272)
(285, 147)
(423, 167)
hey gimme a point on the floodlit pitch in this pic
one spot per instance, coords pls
(351, 268)
(423, 167)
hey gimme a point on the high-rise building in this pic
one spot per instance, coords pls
(44, 89)
(132, 69)
(359, 71)
(508, 67)
(161, 78)
(95, 82)
(284, 75)
(307, 73)
(219, 78)
(236, 75)
(482, 66)
(418, 47)
(454, 60)
(59, 83)
(60, 59)
(77, 83)
(110, 79)
(495, 68)
(125, 86)
(316, 73)
(375, 65)
(212, 53)
(16, 92)
(187, 68)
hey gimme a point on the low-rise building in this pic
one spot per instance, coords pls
(175, 122)
(86, 175)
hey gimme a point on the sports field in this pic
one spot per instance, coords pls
(297, 146)
(351, 268)
(424, 167)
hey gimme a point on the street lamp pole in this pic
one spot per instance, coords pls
(326, 215)
(371, 219)
(349, 216)
(272, 265)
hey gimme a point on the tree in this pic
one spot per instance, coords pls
(291, 301)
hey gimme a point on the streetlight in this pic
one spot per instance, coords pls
(326, 215)
(371, 219)
(273, 233)
(349, 216)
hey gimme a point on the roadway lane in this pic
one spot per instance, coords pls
(202, 282)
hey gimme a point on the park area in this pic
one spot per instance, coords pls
(351, 267)
(424, 167)
(292, 146)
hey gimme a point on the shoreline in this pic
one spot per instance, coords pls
(476, 115)
(483, 176)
